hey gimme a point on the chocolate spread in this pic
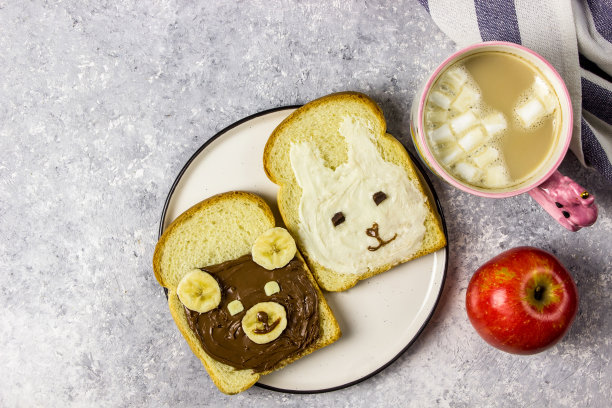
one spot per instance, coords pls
(221, 334)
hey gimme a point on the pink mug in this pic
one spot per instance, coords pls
(570, 204)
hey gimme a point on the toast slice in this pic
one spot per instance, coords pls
(219, 229)
(317, 156)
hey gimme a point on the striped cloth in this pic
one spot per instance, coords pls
(574, 36)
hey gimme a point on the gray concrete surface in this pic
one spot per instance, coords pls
(101, 104)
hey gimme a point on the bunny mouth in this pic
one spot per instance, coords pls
(373, 232)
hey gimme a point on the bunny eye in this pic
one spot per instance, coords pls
(338, 219)
(379, 197)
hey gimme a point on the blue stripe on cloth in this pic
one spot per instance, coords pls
(425, 4)
(590, 66)
(601, 10)
(497, 20)
(597, 100)
(594, 154)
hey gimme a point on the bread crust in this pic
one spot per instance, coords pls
(230, 195)
(327, 278)
(228, 379)
(279, 130)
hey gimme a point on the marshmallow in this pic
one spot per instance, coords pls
(494, 123)
(487, 156)
(439, 99)
(436, 116)
(466, 98)
(463, 122)
(468, 172)
(454, 79)
(545, 95)
(472, 139)
(496, 176)
(442, 134)
(450, 154)
(530, 112)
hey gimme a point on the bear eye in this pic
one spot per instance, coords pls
(338, 219)
(271, 288)
(234, 307)
(379, 197)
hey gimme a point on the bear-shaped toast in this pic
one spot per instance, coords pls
(348, 191)
(242, 319)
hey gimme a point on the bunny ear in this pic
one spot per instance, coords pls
(359, 133)
(310, 170)
(308, 167)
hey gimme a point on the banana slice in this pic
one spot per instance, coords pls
(199, 291)
(264, 322)
(274, 248)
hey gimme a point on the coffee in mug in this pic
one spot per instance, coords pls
(495, 119)
(492, 120)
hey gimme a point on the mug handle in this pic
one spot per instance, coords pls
(570, 204)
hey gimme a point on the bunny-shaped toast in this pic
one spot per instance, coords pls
(348, 191)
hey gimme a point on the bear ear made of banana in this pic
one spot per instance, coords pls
(263, 322)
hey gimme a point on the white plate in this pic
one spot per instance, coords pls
(379, 318)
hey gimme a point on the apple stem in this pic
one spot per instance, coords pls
(538, 293)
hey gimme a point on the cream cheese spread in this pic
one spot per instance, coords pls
(349, 189)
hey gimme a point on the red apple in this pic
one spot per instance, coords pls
(523, 301)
